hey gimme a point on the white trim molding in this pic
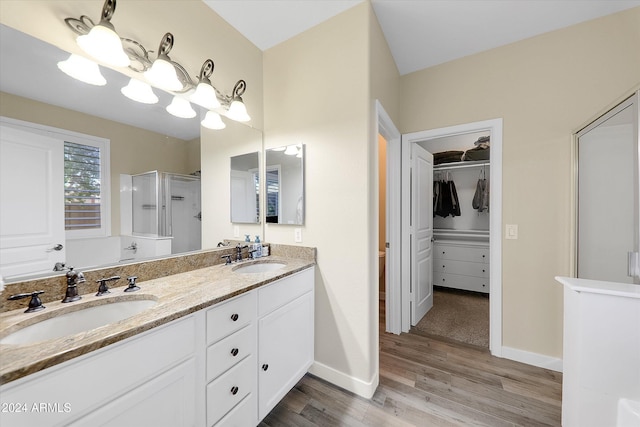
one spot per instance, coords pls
(535, 359)
(347, 382)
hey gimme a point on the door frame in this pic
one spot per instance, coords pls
(391, 134)
(495, 233)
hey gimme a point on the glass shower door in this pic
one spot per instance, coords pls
(608, 196)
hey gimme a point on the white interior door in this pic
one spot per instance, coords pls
(32, 235)
(421, 232)
(243, 202)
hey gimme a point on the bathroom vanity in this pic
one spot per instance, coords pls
(219, 348)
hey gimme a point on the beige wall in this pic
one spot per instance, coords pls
(544, 88)
(316, 93)
(133, 150)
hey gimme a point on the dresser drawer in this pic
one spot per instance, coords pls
(230, 350)
(242, 415)
(230, 388)
(474, 269)
(228, 317)
(458, 281)
(461, 253)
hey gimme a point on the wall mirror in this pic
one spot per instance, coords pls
(150, 139)
(245, 188)
(284, 184)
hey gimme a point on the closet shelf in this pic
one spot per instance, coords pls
(460, 165)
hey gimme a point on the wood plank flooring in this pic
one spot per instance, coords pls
(426, 380)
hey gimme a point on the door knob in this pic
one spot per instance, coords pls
(57, 247)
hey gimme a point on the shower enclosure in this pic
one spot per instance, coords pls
(168, 205)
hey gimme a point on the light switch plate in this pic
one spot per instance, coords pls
(297, 235)
(511, 231)
(236, 231)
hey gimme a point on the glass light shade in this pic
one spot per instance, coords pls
(163, 75)
(139, 91)
(213, 121)
(291, 150)
(82, 69)
(105, 45)
(205, 96)
(180, 107)
(238, 111)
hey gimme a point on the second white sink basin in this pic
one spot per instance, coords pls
(260, 267)
(78, 321)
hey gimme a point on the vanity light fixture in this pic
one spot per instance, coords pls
(180, 107)
(102, 42)
(161, 72)
(292, 150)
(213, 121)
(139, 91)
(237, 110)
(83, 69)
(205, 95)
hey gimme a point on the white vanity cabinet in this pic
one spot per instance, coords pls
(148, 379)
(285, 336)
(226, 365)
(461, 265)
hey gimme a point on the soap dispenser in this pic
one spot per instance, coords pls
(257, 247)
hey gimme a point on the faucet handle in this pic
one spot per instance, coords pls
(103, 288)
(227, 258)
(132, 284)
(35, 304)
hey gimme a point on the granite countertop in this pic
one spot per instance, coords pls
(177, 295)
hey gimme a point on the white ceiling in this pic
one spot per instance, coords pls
(420, 33)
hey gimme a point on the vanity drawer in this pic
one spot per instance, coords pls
(474, 269)
(284, 290)
(242, 415)
(230, 350)
(461, 253)
(458, 281)
(228, 317)
(230, 388)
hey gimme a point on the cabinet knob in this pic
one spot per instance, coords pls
(483, 270)
(234, 317)
(443, 266)
(234, 390)
(265, 367)
(234, 352)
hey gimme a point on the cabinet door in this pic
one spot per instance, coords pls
(167, 400)
(285, 348)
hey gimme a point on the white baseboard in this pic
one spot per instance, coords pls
(535, 359)
(352, 384)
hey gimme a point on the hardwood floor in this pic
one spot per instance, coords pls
(427, 380)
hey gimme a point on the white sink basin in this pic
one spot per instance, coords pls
(78, 321)
(260, 267)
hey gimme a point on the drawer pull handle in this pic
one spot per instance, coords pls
(265, 367)
(234, 390)
(443, 266)
(483, 270)
(234, 352)
(234, 317)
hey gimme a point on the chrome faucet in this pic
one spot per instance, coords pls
(73, 278)
(239, 249)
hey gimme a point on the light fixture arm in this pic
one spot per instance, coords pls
(108, 10)
(206, 71)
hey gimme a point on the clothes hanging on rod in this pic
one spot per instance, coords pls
(445, 197)
(481, 196)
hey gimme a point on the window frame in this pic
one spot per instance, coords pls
(104, 144)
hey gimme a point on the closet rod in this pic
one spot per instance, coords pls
(460, 165)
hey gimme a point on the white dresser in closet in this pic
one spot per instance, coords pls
(461, 265)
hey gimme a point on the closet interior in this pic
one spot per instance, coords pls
(461, 224)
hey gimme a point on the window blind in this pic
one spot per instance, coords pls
(82, 180)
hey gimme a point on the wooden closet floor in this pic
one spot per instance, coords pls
(426, 380)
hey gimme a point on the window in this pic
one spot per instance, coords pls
(86, 183)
